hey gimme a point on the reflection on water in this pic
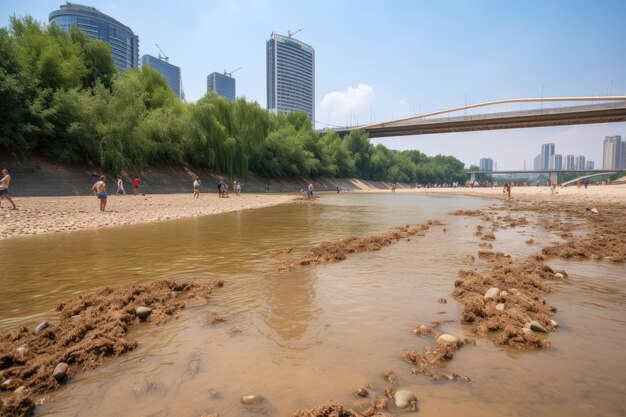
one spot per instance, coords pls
(314, 335)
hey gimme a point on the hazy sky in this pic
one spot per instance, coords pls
(380, 60)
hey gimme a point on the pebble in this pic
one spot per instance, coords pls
(535, 326)
(500, 307)
(21, 350)
(554, 323)
(143, 312)
(60, 371)
(492, 292)
(21, 390)
(41, 326)
(504, 293)
(447, 338)
(558, 275)
(594, 210)
(405, 399)
(6, 384)
(362, 392)
(251, 399)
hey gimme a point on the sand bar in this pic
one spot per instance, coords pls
(39, 215)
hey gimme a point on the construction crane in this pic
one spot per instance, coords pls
(162, 55)
(290, 33)
(230, 74)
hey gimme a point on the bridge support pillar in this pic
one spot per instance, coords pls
(472, 177)
(554, 178)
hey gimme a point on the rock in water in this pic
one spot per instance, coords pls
(41, 326)
(558, 275)
(492, 292)
(143, 312)
(447, 338)
(405, 399)
(361, 392)
(554, 323)
(500, 307)
(251, 400)
(535, 326)
(60, 371)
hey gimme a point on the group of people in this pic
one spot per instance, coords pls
(222, 188)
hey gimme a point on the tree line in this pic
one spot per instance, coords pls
(61, 97)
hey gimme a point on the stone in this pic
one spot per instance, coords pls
(535, 326)
(554, 323)
(21, 350)
(60, 371)
(23, 390)
(362, 392)
(143, 312)
(594, 210)
(559, 275)
(405, 399)
(447, 338)
(250, 400)
(504, 293)
(6, 384)
(500, 307)
(526, 330)
(492, 292)
(41, 326)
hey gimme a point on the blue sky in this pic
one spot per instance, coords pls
(381, 60)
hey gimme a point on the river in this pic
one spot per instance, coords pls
(316, 334)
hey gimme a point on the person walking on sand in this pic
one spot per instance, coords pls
(196, 188)
(120, 186)
(136, 184)
(5, 181)
(238, 188)
(100, 190)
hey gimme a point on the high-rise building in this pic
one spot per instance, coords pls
(612, 152)
(290, 75)
(537, 163)
(556, 162)
(222, 84)
(97, 25)
(590, 166)
(570, 162)
(580, 163)
(547, 150)
(169, 71)
(486, 164)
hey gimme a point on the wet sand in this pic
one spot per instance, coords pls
(39, 215)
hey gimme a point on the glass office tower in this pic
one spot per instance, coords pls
(96, 25)
(222, 84)
(290, 75)
(169, 71)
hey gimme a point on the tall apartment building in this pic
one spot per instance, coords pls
(169, 71)
(556, 162)
(570, 162)
(486, 164)
(613, 156)
(580, 162)
(590, 166)
(547, 150)
(290, 75)
(222, 84)
(97, 25)
(537, 163)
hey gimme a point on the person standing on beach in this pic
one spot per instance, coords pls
(120, 186)
(238, 188)
(100, 189)
(136, 184)
(196, 188)
(4, 187)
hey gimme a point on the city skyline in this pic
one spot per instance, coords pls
(377, 62)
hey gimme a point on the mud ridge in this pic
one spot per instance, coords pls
(90, 328)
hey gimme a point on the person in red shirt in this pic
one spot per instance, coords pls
(136, 184)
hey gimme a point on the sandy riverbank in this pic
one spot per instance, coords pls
(39, 215)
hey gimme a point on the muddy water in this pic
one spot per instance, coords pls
(314, 335)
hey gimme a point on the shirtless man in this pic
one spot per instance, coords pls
(100, 189)
(4, 186)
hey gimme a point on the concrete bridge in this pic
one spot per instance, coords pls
(598, 110)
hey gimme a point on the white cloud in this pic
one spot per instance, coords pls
(348, 107)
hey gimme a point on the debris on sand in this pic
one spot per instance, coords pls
(336, 251)
(472, 213)
(90, 328)
(522, 284)
(335, 409)
(488, 236)
(17, 406)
